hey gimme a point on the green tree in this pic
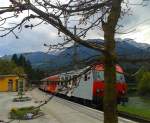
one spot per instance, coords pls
(18, 71)
(144, 84)
(9, 67)
(139, 73)
(21, 61)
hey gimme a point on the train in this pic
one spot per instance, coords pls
(85, 84)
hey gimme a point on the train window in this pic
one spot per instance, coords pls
(66, 77)
(120, 77)
(99, 75)
(89, 75)
(74, 78)
(85, 77)
(69, 82)
(75, 83)
(62, 78)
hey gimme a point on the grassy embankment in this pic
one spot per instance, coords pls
(137, 105)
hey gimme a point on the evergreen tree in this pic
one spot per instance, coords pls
(22, 61)
(15, 58)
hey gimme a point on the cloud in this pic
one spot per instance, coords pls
(33, 40)
(29, 40)
(137, 20)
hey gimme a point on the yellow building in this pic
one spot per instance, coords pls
(8, 83)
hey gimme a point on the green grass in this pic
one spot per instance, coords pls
(136, 111)
(137, 106)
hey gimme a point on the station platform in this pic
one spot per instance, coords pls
(57, 110)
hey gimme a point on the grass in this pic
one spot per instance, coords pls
(21, 113)
(135, 111)
(137, 106)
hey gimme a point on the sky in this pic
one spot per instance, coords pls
(33, 40)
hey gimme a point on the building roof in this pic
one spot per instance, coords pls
(6, 76)
(9, 75)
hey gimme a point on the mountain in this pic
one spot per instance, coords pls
(36, 58)
(126, 48)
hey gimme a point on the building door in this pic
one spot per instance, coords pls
(16, 85)
(10, 85)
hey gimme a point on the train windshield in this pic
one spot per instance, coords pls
(99, 75)
(120, 77)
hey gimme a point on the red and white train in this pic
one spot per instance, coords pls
(88, 87)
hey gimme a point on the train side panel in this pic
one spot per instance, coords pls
(85, 88)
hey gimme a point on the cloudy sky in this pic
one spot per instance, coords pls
(33, 40)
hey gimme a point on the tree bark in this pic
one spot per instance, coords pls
(110, 102)
(110, 57)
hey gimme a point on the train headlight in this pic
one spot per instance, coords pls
(123, 92)
(97, 91)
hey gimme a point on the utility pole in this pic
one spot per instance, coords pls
(75, 55)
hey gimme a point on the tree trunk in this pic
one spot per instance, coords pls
(110, 57)
(110, 102)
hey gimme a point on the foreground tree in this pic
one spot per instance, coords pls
(103, 14)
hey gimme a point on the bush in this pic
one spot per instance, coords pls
(144, 84)
(21, 113)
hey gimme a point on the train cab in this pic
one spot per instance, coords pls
(99, 84)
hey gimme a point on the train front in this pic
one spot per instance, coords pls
(99, 84)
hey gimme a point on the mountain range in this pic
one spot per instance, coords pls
(126, 48)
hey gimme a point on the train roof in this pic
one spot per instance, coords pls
(52, 78)
(100, 67)
(74, 72)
